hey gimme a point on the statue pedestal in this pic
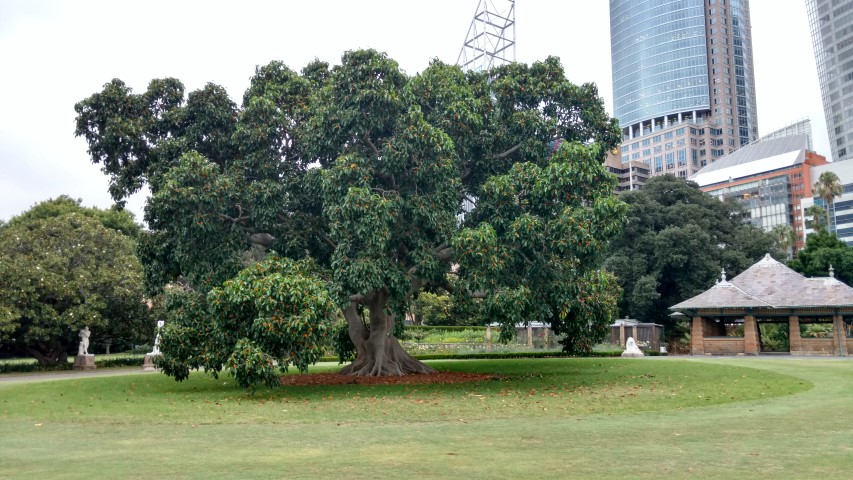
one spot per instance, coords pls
(84, 362)
(148, 363)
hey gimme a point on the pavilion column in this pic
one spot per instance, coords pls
(794, 337)
(750, 336)
(839, 337)
(697, 337)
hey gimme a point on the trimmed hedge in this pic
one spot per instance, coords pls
(443, 327)
(20, 367)
(136, 360)
(33, 367)
(507, 355)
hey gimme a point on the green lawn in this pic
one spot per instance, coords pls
(550, 418)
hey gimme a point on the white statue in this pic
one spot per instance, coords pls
(83, 349)
(631, 349)
(156, 349)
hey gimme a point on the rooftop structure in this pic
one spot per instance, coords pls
(801, 127)
(491, 37)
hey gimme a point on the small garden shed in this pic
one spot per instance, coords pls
(646, 335)
(727, 319)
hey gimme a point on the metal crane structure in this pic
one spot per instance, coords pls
(491, 37)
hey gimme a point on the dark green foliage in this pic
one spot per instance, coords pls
(822, 250)
(432, 309)
(395, 156)
(63, 267)
(676, 241)
(342, 343)
(536, 240)
(275, 313)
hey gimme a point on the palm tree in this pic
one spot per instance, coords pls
(817, 213)
(828, 187)
(785, 238)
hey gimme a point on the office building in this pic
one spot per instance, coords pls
(841, 210)
(770, 178)
(831, 24)
(630, 175)
(683, 82)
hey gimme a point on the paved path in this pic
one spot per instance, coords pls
(70, 374)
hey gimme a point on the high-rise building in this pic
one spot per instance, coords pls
(832, 35)
(683, 84)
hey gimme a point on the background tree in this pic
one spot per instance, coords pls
(395, 157)
(446, 309)
(827, 187)
(816, 216)
(785, 237)
(62, 268)
(822, 250)
(676, 241)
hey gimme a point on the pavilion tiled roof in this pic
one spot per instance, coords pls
(769, 283)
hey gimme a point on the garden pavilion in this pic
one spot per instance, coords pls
(727, 318)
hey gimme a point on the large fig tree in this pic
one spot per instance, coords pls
(481, 184)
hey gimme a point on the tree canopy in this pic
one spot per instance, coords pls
(822, 250)
(364, 169)
(676, 241)
(63, 267)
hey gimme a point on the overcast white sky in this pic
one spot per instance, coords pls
(55, 53)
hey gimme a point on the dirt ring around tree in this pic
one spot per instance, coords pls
(323, 379)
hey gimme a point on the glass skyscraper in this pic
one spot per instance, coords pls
(832, 35)
(683, 84)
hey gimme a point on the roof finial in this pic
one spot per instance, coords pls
(831, 271)
(723, 274)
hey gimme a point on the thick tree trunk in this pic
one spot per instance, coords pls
(49, 354)
(379, 352)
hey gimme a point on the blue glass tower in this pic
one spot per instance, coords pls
(682, 71)
(660, 58)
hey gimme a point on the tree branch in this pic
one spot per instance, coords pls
(445, 253)
(234, 220)
(239, 218)
(508, 152)
(263, 239)
(370, 144)
(328, 240)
